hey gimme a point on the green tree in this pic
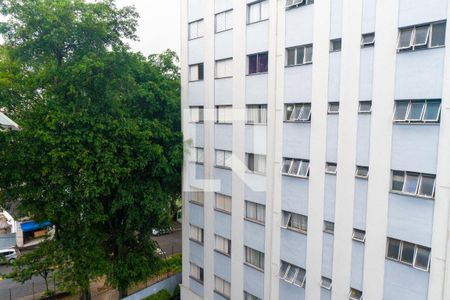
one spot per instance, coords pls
(40, 262)
(100, 148)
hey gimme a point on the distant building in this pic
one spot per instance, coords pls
(320, 164)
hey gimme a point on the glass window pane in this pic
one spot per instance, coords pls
(304, 169)
(308, 54)
(220, 159)
(404, 40)
(290, 276)
(432, 110)
(200, 71)
(290, 53)
(421, 35)
(411, 184)
(393, 249)
(365, 106)
(299, 280)
(286, 218)
(283, 269)
(253, 13)
(400, 111)
(296, 113)
(193, 73)
(228, 159)
(220, 22)
(422, 258)
(260, 213)
(250, 210)
(229, 20)
(407, 253)
(262, 62)
(306, 112)
(264, 10)
(398, 179)
(415, 111)
(438, 35)
(426, 186)
(289, 110)
(252, 64)
(295, 167)
(286, 165)
(300, 55)
(368, 38)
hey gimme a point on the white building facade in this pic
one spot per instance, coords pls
(317, 160)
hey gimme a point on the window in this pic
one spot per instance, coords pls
(196, 234)
(292, 274)
(196, 29)
(224, 114)
(297, 3)
(328, 227)
(223, 245)
(408, 253)
(417, 111)
(258, 11)
(325, 283)
(197, 196)
(359, 235)
(362, 172)
(333, 107)
(295, 167)
(196, 72)
(297, 56)
(197, 114)
(299, 112)
(368, 40)
(330, 168)
(415, 184)
(222, 287)
(198, 156)
(420, 37)
(295, 221)
(258, 63)
(255, 212)
(355, 294)
(335, 45)
(223, 159)
(224, 21)
(257, 114)
(223, 203)
(365, 107)
(224, 68)
(248, 296)
(196, 273)
(254, 258)
(256, 163)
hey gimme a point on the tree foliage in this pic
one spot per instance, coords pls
(99, 151)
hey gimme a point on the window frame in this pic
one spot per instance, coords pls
(258, 57)
(199, 111)
(418, 185)
(422, 119)
(300, 4)
(228, 114)
(224, 283)
(257, 206)
(400, 251)
(223, 60)
(248, 251)
(196, 159)
(326, 228)
(428, 41)
(330, 164)
(287, 220)
(225, 198)
(332, 43)
(224, 153)
(302, 108)
(200, 75)
(361, 103)
(357, 172)
(259, 164)
(300, 167)
(326, 286)
(198, 36)
(200, 271)
(225, 13)
(330, 105)
(224, 241)
(355, 236)
(261, 110)
(260, 4)
(355, 298)
(304, 58)
(196, 191)
(366, 44)
(198, 230)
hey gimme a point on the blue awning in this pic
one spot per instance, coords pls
(33, 226)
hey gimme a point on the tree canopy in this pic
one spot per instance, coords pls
(99, 152)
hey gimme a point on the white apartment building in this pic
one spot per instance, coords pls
(317, 160)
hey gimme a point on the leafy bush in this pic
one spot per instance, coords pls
(161, 295)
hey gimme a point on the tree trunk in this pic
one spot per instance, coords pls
(123, 292)
(86, 294)
(46, 285)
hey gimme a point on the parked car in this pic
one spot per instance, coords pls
(8, 255)
(161, 231)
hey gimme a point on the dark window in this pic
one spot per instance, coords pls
(335, 45)
(258, 63)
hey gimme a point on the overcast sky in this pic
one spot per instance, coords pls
(159, 25)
